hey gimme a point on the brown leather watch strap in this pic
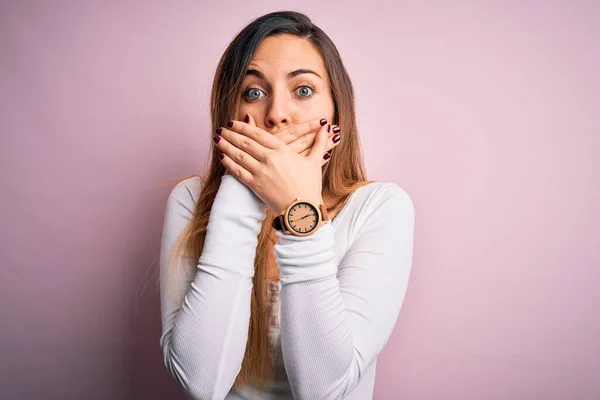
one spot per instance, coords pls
(277, 223)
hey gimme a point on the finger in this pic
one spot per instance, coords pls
(302, 145)
(236, 170)
(296, 131)
(250, 120)
(326, 156)
(255, 133)
(330, 145)
(240, 157)
(320, 146)
(244, 143)
(332, 141)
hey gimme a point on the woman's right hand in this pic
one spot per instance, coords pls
(301, 137)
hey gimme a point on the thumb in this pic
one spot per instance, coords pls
(320, 144)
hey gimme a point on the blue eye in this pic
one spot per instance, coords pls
(305, 91)
(253, 94)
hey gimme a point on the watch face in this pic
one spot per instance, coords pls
(303, 217)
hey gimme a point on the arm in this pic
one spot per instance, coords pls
(206, 312)
(335, 322)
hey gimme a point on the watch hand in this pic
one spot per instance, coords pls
(306, 216)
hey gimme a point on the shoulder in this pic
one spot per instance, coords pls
(378, 195)
(185, 194)
(379, 206)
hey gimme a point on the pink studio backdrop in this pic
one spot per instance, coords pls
(487, 113)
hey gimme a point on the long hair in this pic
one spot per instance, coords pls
(342, 174)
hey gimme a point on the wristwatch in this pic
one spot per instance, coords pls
(301, 218)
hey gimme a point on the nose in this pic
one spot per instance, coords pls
(278, 112)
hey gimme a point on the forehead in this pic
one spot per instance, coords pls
(284, 53)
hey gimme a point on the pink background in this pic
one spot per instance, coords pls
(487, 113)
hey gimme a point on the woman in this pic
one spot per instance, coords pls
(264, 296)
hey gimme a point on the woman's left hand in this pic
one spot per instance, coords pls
(264, 163)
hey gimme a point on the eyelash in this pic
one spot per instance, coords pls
(245, 93)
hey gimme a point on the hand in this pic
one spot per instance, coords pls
(300, 137)
(269, 167)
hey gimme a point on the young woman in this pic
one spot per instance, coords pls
(283, 270)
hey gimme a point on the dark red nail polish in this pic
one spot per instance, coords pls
(323, 121)
(326, 156)
(221, 155)
(336, 138)
(216, 139)
(328, 128)
(247, 119)
(336, 129)
(230, 124)
(219, 130)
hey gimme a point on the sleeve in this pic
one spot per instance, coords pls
(205, 312)
(335, 320)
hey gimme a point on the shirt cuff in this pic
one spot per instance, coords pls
(234, 197)
(233, 227)
(306, 258)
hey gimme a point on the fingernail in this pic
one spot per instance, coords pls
(219, 130)
(221, 155)
(247, 119)
(326, 156)
(336, 138)
(329, 151)
(323, 121)
(328, 128)
(336, 129)
(230, 124)
(216, 139)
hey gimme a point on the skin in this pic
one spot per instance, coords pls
(279, 152)
(284, 101)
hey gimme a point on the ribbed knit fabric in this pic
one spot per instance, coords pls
(338, 299)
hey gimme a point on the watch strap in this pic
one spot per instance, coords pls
(277, 223)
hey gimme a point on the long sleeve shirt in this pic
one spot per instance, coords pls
(336, 303)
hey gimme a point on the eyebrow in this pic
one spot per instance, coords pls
(291, 75)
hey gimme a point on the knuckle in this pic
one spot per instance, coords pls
(257, 178)
(239, 157)
(245, 143)
(271, 158)
(278, 146)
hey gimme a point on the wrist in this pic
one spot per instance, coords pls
(285, 205)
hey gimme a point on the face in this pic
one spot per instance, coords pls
(286, 83)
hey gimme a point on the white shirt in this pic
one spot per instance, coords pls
(336, 303)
